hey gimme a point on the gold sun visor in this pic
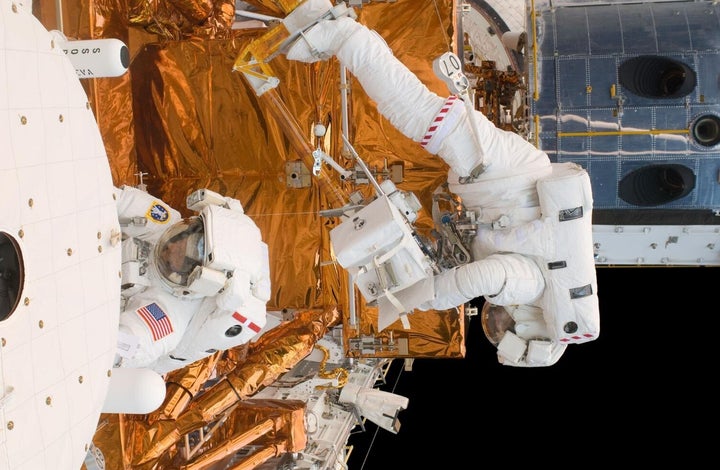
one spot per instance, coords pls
(495, 322)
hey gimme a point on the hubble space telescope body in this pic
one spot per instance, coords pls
(630, 91)
(59, 282)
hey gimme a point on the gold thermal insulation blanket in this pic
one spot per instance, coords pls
(181, 119)
(184, 119)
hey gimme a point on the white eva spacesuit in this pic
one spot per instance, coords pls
(533, 256)
(190, 287)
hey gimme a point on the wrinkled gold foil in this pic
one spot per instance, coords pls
(183, 385)
(185, 119)
(150, 441)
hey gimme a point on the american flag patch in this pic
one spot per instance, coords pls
(156, 320)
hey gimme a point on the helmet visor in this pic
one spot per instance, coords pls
(495, 322)
(180, 250)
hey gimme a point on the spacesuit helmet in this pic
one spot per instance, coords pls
(520, 335)
(525, 321)
(180, 250)
(495, 322)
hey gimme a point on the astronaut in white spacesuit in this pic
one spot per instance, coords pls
(190, 287)
(532, 256)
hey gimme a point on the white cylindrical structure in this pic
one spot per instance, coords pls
(134, 391)
(95, 58)
(514, 40)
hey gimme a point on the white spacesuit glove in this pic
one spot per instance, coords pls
(306, 14)
(241, 287)
(323, 40)
(521, 336)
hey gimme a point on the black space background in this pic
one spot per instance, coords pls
(641, 393)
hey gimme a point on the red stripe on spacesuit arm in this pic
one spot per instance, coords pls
(437, 120)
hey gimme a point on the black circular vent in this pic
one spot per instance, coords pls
(654, 185)
(657, 77)
(12, 275)
(706, 130)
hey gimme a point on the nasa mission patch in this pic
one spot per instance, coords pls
(158, 213)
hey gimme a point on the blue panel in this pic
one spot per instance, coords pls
(604, 181)
(672, 30)
(669, 144)
(547, 103)
(548, 144)
(632, 145)
(574, 40)
(671, 118)
(708, 188)
(603, 145)
(548, 124)
(545, 30)
(707, 71)
(703, 23)
(636, 120)
(638, 32)
(602, 77)
(603, 121)
(574, 122)
(604, 30)
(573, 147)
(571, 83)
(592, 40)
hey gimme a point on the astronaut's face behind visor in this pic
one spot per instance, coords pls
(495, 322)
(180, 250)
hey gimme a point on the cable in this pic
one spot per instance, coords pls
(442, 26)
(377, 428)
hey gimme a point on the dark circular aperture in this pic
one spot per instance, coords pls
(657, 77)
(12, 275)
(570, 327)
(125, 56)
(706, 131)
(653, 185)
(233, 331)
